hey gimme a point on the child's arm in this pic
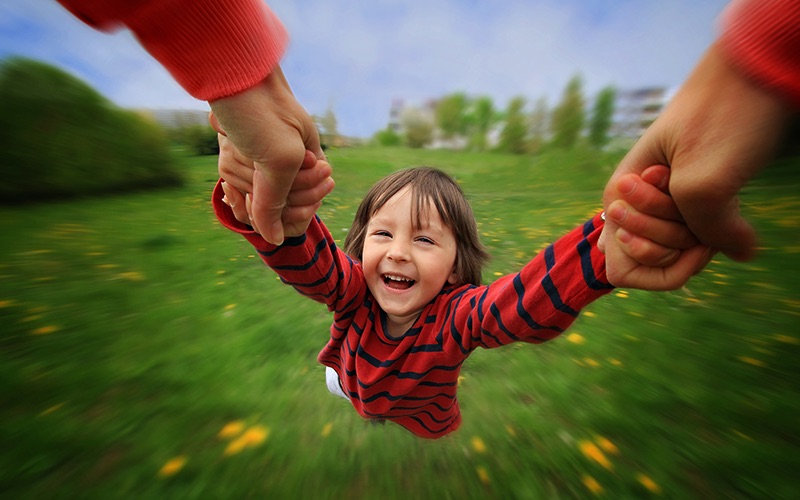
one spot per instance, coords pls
(656, 250)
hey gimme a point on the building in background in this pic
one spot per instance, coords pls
(637, 109)
(177, 118)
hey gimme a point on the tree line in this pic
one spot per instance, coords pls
(463, 122)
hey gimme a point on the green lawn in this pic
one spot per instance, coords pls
(145, 352)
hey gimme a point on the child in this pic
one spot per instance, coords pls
(407, 299)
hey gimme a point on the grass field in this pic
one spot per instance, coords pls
(145, 352)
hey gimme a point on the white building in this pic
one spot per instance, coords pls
(637, 109)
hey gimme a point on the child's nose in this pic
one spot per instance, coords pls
(399, 250)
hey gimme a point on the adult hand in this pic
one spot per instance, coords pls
(717, 132)
(270, 128)
(310, 186)
(653, 248)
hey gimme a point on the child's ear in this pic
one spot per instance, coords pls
(453, 278)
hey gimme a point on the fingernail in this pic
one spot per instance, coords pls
(626, 185)
(616, 213)
(277, 233)
(225, 200)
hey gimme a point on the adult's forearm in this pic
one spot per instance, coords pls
(761, 38)
(213, 48)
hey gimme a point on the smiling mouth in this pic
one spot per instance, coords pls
(397, 282)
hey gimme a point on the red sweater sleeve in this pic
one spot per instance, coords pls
(311, 263)
(762, 39)
(213, 48)
(539, 302)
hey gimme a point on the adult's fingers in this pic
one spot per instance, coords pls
(717, 222)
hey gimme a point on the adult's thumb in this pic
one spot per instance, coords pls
(270, 190)
(726, 231)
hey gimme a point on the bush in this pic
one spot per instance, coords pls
(61, 138)
(387, 137)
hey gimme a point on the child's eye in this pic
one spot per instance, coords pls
(425, 239)
(382, 232)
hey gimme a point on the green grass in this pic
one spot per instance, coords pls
(134, 328)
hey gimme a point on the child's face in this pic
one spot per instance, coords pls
(406, 266)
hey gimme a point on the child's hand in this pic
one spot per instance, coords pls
(312, 184)
(655, 249)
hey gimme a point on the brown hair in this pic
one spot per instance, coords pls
(429, 187)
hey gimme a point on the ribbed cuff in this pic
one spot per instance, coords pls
(762, 40)
(212, 48)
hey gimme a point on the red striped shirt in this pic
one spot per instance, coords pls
(412, 380)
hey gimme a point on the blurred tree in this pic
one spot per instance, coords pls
(515, 130)
(451, 116)
(329, 134)
(60, 138)
(418, 127)
(539, 125)
(481, 119)
(569, 116)
(602, 115)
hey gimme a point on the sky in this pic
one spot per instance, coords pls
(357, 56)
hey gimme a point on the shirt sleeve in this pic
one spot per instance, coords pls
(762, 39)
(311, 263)
(539, 302)
(213, 48)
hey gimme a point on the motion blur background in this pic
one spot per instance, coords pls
(146, 352)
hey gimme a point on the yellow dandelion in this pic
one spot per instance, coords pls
(326, 430)
(173, 466)
(498, 273)
(106, 266)
(461, 379)
(478, 445)
(622, 294)
(607, 445)
(752, 361)
(51, 409)
(592, 452)
(6, 303)
(576, 338)
(229, 307)
(483, 475)
(589, 314)
(786, 339)
(45, 330)
(615, 362)
(591, 484)
(28, 319)
(591, 362)
(231, 429)
(132, 276)
(221, 272)
(648, 483)
(252, 437)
